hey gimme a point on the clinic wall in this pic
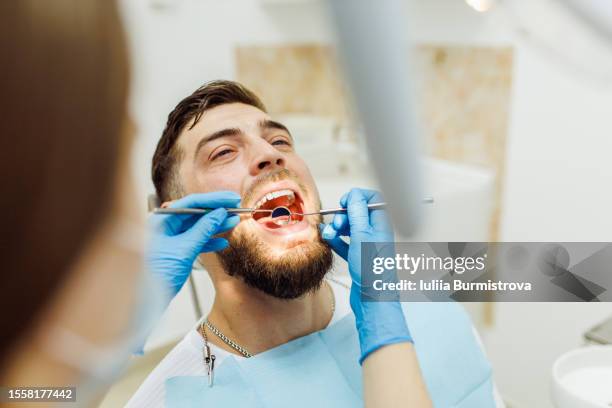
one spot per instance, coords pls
(558, 170)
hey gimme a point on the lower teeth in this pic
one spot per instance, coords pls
(286, 221)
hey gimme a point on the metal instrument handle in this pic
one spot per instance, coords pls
(206, 210)
(339, 210)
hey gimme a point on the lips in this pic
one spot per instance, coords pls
(286, 197)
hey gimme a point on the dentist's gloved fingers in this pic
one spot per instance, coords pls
(171, 224)
(207, 226)
(178, 239)
(216, 199)
(328, 231)
(372, 196)
(179, 223)
(358, 212)
(343, 200)
(215, 244)
(339, 246)
(230, 222)
(378, 219)
(338, 226)
(341, 224)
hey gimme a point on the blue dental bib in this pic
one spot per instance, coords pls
(321, 370)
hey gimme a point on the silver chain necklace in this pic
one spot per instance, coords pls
(226, 339)
(209, 358)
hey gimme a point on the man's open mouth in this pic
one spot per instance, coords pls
(289, 199)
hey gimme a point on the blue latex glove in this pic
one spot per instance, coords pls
(178, 239)
(378, 323)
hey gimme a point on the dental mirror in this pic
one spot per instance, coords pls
(281, 212)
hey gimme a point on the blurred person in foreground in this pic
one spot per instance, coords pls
(73, 302)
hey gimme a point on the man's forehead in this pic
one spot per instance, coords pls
(229, 116)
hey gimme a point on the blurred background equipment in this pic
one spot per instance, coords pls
(581, 378)
(600, 334)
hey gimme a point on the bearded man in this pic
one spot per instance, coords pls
(280, 331)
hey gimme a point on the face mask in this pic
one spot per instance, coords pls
(100, 366)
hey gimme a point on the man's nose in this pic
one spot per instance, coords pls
(266, 158)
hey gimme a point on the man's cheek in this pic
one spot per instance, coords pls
(306, 179)
(245, 227)
(226, 179)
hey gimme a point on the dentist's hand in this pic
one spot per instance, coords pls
(177, 239)
(379, 323)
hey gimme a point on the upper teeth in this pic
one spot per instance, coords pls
(275, 194)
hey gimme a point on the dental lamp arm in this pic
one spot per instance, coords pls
(373, 48)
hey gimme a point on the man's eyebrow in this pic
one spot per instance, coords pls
(272, 124)
(215, 135)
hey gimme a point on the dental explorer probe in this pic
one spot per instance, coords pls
(340, 210)
(373, 206)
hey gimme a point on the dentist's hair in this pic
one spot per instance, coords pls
(64, 87)
(186, 115)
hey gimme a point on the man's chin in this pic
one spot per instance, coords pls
(285, 266)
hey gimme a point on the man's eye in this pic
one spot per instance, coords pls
(281, 142)
(221, 153)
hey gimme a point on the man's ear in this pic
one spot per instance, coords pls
(166, 204)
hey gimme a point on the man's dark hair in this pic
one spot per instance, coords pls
(188, 112)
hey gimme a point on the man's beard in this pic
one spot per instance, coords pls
(293, 274)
